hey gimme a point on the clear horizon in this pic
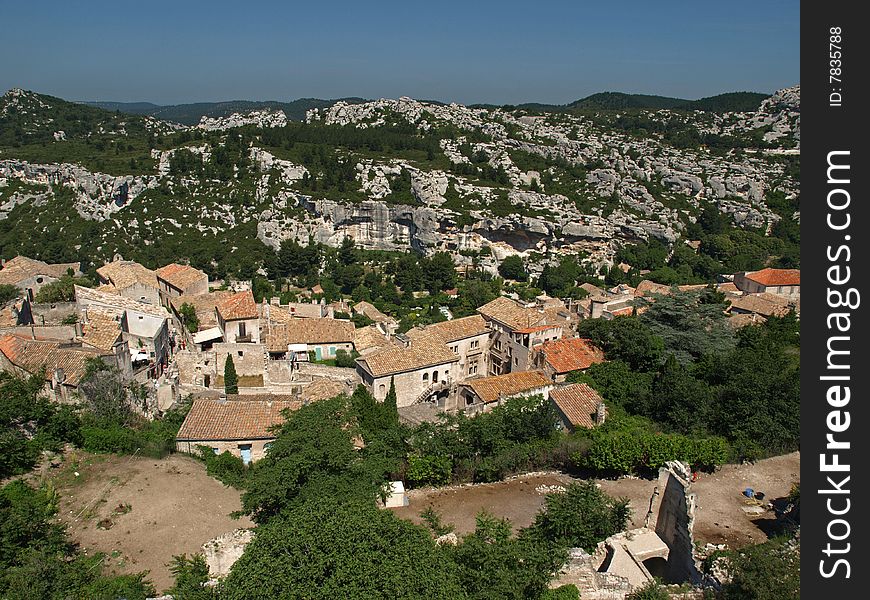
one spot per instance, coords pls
(505, 53)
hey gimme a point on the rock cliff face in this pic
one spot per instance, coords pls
(566, 182)
(97, 195)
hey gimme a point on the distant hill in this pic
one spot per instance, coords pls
(728, 102)
(190, 114)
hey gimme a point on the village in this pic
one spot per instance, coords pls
(286, 356)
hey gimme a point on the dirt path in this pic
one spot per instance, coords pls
(141, 512)
(719, 518)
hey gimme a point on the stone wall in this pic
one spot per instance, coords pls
(672, 516)
(52, 314)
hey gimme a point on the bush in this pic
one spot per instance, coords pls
(580, 517)
(428, 470)
(225, 467)
(345, 359)
(637, 450)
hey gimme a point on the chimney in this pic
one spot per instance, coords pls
(59, 376)
(403, 339)
(79, 329)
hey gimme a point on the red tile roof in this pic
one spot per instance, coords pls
(773, 277)
(35, 355)
(571, 354)
(578, 402)
(235, 418)
(490, 389)
(181, 276)
(240, 305)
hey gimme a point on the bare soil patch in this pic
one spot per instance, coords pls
(141, 512)
(719, 518)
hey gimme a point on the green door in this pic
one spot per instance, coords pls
(318, 354)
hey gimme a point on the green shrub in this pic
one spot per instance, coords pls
(428, 470)
(225, 467)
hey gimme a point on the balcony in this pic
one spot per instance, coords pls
(244, 339)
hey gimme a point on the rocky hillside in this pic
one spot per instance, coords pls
(78, 182)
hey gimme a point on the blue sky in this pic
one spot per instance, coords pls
(473, 51)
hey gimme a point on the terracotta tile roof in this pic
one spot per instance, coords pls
(578, 403)
(236, 418)
(370, 338)
(774, 277)
(511, 313)
(647, 287)
(319, 331)
(240, 305)
(203, 305)
(125, 273)
(322, 389)
(490, 389)
(21, 267)
(453, 330)
(371, 311)
(89, 297)
(398, 359)
(593, 289)
(34, 355)
(727, 287)
(627, 311)
(739, 320)
(571, 354)
(762, 304)
(10, 314)
(181, 276)
(101, 329)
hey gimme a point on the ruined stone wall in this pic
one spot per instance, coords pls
(672, 514)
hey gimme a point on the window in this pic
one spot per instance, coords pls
(435, 377)
(242, 329)
(382, 389)
(39, 280)
(266, 447)
(332, 350)
(216, 450)
(425, 377)
(241, 353)
(516, 361)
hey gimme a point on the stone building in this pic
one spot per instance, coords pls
(578, 406)
(558, 358)
(63, 364)
(238, 318)
(515, 330)
(236, 424)
(485, 393)
(467, 337)
(783, 282)
(321, 338)
(31, 275)
(175, 280)
(146, 326)
(423, 370)
(131, 280)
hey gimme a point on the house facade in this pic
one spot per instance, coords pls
(31, 275)
(175, 280)
(467, 338)
(238, 318)
(485, 393)
(236, 424)
(130, 280)
(782, 282)
(515, 330)
(423, 371)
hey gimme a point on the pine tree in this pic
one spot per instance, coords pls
(231, 379)
(391, 411)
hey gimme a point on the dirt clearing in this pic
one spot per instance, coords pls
(141, 512)
(719, 518)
